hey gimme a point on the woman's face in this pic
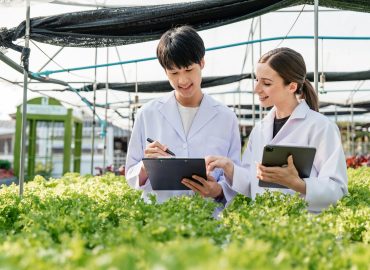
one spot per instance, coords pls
(270, 87)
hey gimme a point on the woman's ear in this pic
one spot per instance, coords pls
(293, 87)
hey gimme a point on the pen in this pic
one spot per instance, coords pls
(167, 151)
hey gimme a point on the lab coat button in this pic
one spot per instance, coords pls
(184, 146)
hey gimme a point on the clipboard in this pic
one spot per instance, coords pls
(277, 155)
(167, 173)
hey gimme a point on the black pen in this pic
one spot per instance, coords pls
(167, 151)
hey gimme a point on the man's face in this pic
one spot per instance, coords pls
(186, 82)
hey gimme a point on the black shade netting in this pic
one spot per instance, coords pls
(164, 86)
(127, 25)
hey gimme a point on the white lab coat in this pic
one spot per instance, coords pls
(214, 131)
(305, 127)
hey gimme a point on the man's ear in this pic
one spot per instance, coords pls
(202, 63)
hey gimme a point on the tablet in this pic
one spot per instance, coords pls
(277, 155)
(167, 173)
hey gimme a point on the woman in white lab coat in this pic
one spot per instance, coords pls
(281, 82)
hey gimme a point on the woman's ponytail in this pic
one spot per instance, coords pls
(308, 93)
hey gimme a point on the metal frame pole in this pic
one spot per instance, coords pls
(252, 77)
(93, 122)
(136, 102)
(24, 105)
(316, 42)
(260, 36)
(352, 129)
(106, 112)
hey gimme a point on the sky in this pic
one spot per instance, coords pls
(334, 55)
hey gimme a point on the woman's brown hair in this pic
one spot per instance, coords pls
(290, 66)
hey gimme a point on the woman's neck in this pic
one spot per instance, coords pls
(285, 109)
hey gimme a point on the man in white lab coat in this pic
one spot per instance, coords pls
(186, 121)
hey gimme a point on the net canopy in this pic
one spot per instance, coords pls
(128, 25)
(164, 86)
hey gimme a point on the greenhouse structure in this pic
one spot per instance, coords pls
(74, 77)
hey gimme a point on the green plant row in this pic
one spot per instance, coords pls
(85, 222)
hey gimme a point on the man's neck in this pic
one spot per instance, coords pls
(193, 101)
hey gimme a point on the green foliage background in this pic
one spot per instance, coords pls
(5, 164)
(85, 222)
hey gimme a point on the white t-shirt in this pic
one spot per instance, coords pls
(187, 116)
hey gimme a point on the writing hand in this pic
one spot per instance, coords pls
(154, 149)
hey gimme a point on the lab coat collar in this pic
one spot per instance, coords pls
(207, 110)
(170, 112)
(300, 111)
(267, 123)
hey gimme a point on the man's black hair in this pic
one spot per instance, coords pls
(180, 47)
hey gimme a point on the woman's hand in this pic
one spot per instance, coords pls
(206, 188)
(286, 176)
(221, 162)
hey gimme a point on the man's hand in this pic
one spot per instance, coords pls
(155, 150)
(152, 150)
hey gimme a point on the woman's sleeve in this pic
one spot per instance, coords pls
(234, 154)
(241, 182)
(331, 184)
